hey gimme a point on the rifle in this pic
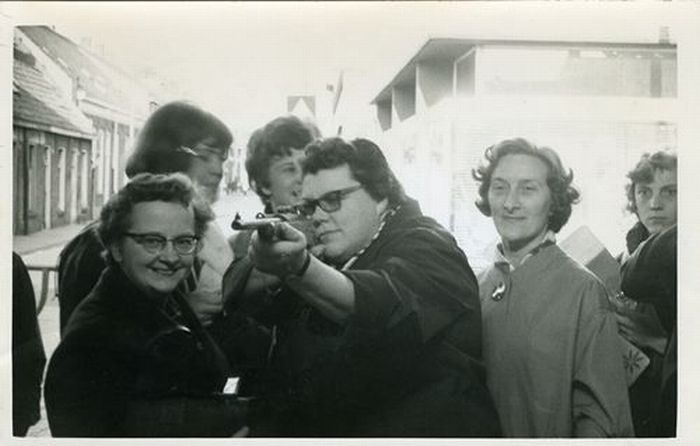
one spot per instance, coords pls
(265, 223)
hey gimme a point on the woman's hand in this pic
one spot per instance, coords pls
(283, 254)
(205, 304)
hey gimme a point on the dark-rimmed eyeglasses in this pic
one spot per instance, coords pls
(155, 243)
(205, 152)
(329, 202)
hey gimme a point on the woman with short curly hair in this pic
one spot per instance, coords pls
(134, 359)
(647, 308)
(651, 196)
(553, 361)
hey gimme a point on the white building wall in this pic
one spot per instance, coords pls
(600, 153)
(434, 151)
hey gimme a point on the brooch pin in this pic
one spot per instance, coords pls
(498, 292)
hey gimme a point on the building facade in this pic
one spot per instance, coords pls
(52, 148)
(115, 104)
(600, 105)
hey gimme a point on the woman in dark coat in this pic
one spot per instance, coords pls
(646, 314)
(380, 339)
(650, 275)
(134, 359)
(28, 357)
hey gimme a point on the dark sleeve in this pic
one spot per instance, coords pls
(424, 275)
(234, 281)
(179, 389)
(242, 330)
(91, 391)
(79, 268)
(407, 303)
(86, 387)
(239, 244)
(650, 275)
(28, 357)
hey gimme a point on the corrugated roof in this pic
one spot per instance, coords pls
(76, 63)
(36, 100)
(452, 48)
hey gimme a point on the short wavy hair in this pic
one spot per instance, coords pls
(365, 160)
(559, 181)
(644, 171)
(276, 139)
(171, 126)
(172, 188)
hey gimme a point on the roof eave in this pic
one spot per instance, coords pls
(21, 122)
(385, 93)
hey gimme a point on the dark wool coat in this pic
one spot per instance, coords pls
(649, 276)
(125, 367)
(28, 357)
(407, 362)
(80, 265)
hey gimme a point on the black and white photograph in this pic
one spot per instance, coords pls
(304, 220)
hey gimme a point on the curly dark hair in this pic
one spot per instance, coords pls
(643, 173)
(366, 161)
(559, 181)
(172, 188)
(276, 139)
(170, 127)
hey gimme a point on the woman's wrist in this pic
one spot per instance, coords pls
(304, 266)
(298, 269)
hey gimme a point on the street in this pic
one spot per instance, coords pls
(225, 209)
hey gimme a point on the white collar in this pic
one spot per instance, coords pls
(501, 260)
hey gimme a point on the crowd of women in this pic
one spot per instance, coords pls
(357, 315)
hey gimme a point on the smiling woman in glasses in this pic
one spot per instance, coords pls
(176, 137)
(134, 351)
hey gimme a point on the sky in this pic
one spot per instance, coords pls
(242, 59)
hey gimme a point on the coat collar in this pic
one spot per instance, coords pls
(635, 236)
(120, 291)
